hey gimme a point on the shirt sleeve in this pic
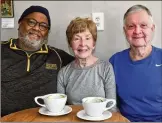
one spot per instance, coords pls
(110, 85)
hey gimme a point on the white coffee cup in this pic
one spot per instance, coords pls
(53, 102)
(95, 106)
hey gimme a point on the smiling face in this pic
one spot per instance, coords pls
(139, 28)
(32, 37)
(82, 35)
(83, 44)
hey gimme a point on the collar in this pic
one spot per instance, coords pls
(43, 49)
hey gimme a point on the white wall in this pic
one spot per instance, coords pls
(109, 41)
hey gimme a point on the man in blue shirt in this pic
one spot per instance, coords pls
(138, 69)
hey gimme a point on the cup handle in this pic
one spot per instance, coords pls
(113, 103)
(36, 100)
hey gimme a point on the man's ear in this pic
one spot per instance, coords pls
(19, 25)
(124, 30)
(153, 27)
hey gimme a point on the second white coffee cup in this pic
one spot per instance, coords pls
(53, 102)
(95, 106)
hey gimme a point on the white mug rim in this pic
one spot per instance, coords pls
(45, 96)
(84, 99)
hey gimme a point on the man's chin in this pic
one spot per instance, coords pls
(34, 46)
(139, 46)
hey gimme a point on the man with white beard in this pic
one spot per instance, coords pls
(29, 66)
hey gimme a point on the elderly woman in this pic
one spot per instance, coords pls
(87, 75)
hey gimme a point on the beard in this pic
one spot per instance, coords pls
(30, 45)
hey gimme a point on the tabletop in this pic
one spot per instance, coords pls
(32, 115)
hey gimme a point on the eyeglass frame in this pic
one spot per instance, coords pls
(39, 23)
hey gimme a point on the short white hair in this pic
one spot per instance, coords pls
(137, 8)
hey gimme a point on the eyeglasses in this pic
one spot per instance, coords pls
(32, 23)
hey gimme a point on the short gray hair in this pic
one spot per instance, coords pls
(137, 8)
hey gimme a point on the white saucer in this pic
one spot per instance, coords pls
(44, 111)
(82, 115)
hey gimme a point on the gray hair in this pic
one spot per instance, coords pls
(137, 8)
